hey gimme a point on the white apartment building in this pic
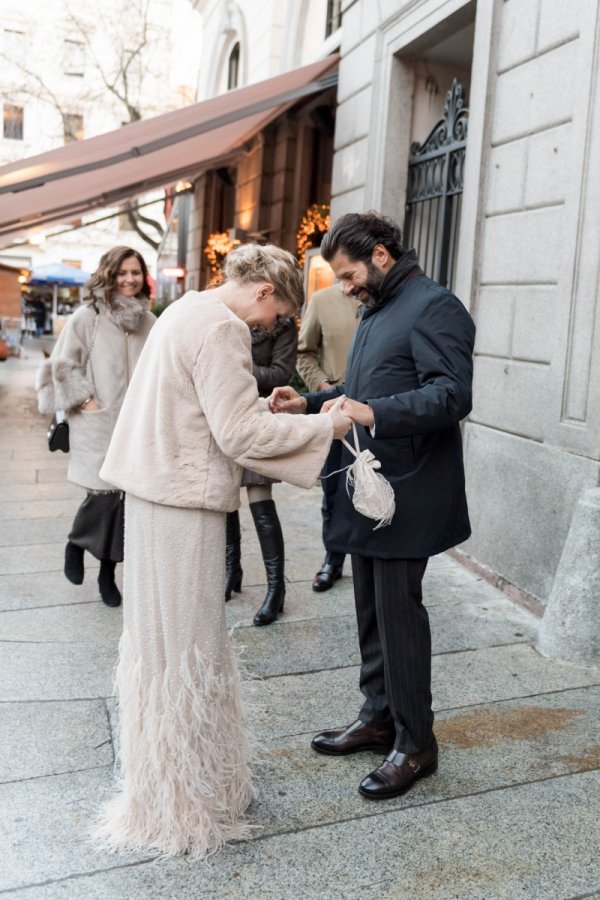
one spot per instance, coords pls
(60, 62)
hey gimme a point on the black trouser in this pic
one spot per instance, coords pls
(395, 646)
(329, 485)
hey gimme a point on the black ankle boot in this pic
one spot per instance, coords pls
(233, 568)
(109, 591)
(268, 529)
(74, 563)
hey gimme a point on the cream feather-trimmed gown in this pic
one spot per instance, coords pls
(183, 740)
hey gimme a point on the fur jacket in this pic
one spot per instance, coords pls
(71, 375)
(192, 416)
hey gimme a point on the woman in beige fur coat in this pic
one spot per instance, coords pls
(191, 419)
(86, 377)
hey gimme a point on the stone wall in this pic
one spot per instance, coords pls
(529, 245)
(531, 443)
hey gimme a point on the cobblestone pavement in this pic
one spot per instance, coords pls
(513, 811)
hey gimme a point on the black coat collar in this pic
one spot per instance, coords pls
(405, 268)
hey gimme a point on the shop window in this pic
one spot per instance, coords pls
(73, 126)
(334, 16)
(233, 68)
(74, 58)
(12, 122)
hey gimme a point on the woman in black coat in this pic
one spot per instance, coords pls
(274, 359)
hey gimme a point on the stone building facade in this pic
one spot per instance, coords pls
(264, 190)
(527, 261)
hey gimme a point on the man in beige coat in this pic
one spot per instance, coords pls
(328, 325)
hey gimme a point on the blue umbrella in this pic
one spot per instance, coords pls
(59, 274)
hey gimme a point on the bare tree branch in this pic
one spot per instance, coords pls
(134, 216)
(122, 73)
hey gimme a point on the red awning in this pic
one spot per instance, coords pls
(63, 184)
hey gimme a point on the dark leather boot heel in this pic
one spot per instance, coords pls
(74, 569)
(233, 568)
(270, 536)
(110, 593)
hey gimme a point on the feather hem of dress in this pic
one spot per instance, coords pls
(185, 779)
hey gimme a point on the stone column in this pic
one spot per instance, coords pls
(570, 629)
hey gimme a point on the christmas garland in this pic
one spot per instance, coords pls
(315, 221)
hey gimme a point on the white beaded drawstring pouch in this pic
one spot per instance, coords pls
(373, 494)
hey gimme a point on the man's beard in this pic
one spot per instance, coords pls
(371, 286)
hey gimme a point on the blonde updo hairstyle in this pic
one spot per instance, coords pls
(266, 263)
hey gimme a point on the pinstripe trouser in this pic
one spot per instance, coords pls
(395, 647)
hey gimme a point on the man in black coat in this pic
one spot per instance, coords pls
(408, 382)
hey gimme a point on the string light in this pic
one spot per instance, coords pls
(218, 245)
(315, 221)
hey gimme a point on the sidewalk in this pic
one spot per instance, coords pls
(513, 811)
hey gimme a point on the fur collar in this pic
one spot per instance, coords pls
(124, 312)
(259, 334)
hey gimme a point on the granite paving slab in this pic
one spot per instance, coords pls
(482, 748)
(11, 474)
(296, 704)
(36, 450)
(309, 645)
(325, 643)
(72, 735)
(56, 671)
(51, 491)
(39, 530)
(54, 473)
(46, 820)
(82, 622)
(301, 602)
(38, 589)
(32, 509)
(32, 558)
(503, 844)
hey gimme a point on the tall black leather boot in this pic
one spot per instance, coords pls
(233, 567)
(74, 563)
(110, 593)
(270, 536)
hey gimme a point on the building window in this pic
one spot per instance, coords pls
(73, 127)
(12, 122)
(74, 58)
(334, 16)
(14, 43)
(233, 68)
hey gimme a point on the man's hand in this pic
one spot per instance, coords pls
(286, 399)
(361, 413)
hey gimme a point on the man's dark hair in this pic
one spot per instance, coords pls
(356, 234)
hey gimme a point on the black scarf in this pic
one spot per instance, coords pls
(405, 268)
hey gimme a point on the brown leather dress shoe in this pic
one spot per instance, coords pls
(354, 739)
(398, 772)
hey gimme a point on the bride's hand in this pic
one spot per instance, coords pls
(341, 423)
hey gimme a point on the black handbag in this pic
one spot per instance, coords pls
(58, 430)
(58, 434)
